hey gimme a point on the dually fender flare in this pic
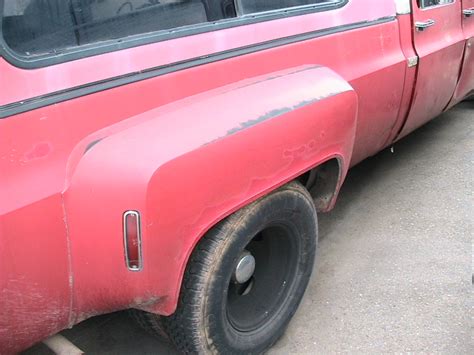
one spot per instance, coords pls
(186, 166)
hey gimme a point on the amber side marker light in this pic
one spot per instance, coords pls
(132, 238)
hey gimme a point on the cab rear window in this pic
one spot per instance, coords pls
(38, 27)
(429, 3)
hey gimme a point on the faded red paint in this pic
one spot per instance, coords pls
(466, 79)
(440, 49)
(190, 147)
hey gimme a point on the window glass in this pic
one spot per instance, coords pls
(428, 3)
(37, 27)
(45, 26)
(252, 6)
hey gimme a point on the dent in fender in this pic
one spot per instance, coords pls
(187, 165)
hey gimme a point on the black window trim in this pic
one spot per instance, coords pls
(37, 102)
(103, 47)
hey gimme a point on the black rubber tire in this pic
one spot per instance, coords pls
(152, 323)
(201, 323)
(470, 98)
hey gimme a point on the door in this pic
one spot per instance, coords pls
(439, 43)
(466, 81)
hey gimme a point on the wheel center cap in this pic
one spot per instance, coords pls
(244, 269)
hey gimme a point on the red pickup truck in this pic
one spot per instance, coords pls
(172, 156)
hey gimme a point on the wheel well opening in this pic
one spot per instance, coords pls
(321, 182)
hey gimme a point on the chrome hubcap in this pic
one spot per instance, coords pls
(245, 268)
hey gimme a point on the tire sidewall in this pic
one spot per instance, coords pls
(291, 208)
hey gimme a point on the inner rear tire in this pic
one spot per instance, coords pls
(217, 314)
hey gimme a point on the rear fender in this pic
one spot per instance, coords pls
(188, 165)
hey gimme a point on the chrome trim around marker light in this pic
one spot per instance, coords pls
(133, 265)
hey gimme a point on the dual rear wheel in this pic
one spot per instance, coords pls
(246, 277)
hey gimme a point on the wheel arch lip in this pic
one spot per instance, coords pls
(185, 176)
(168, 307)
